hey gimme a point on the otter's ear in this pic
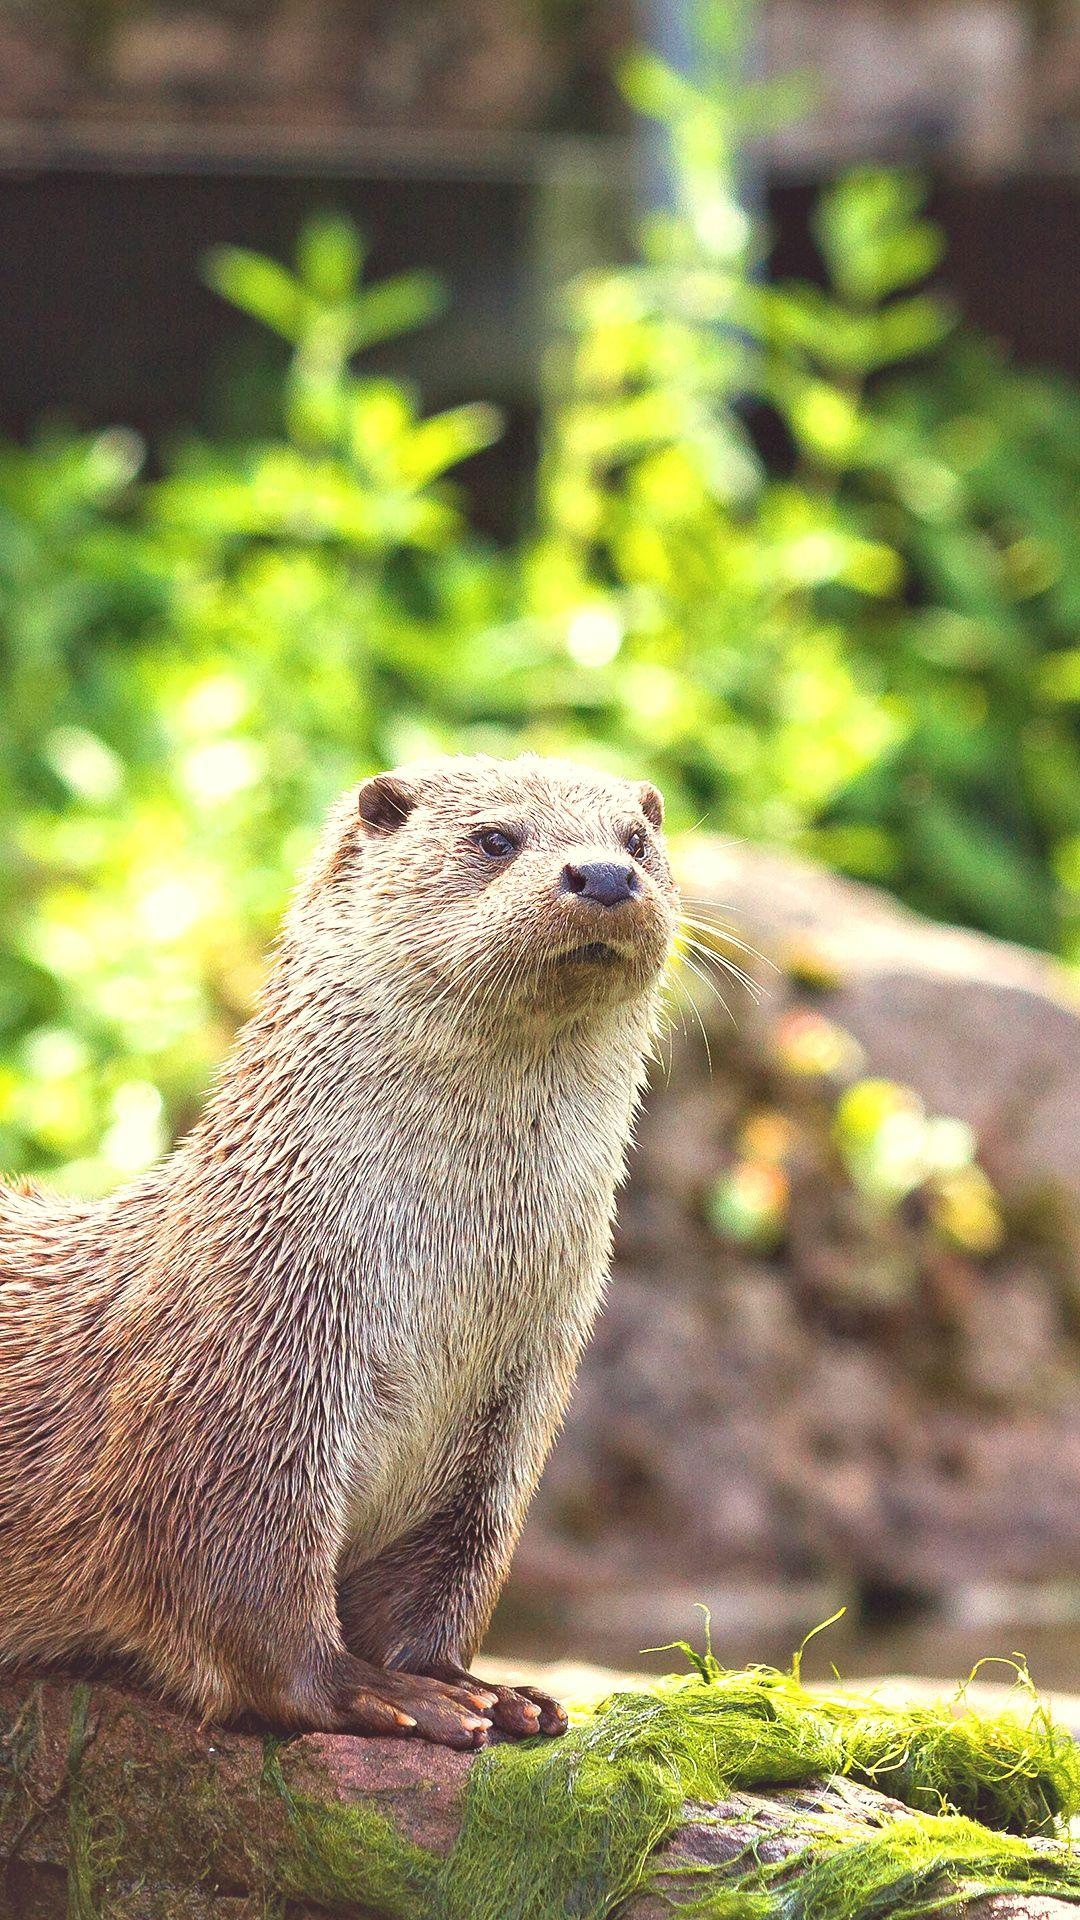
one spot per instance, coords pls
(385, 803)
(652, 803)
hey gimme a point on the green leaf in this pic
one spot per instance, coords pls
(259, 287)
(871, 239)
(654, 88)
(992, 882)
(905, 329)
(447, 439)
(330, 257)
(393, 307)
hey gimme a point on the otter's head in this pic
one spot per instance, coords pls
(512, 890)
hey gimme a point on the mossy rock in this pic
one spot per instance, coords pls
(738, 1796)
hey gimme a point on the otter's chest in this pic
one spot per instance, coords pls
(473, 1304)
(479, 1259)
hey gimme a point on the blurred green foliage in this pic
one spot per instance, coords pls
(869, 653)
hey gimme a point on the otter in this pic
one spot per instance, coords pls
(271, 1416)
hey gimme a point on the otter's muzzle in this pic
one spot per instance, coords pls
(606, 883)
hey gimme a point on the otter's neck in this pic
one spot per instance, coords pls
(343, 1134)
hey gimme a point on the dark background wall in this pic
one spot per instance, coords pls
(103, 317)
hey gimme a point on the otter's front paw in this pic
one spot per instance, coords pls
(552, 1713)
(514, 1710)
(375, 1701)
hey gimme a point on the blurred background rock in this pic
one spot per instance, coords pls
(838, 1366)
(692, 388)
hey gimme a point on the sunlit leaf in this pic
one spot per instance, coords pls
(393, 307)
(448, 438)
(259, 287)
(874, 243)
(330, 257)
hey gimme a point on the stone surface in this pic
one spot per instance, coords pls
(985, 1030)
(773, 1827)
(114, 1808)
(172, 1820)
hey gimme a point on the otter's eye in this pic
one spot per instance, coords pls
(496, 844)
(636, 844)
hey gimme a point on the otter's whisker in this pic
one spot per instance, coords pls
(661, 1032)
(729, 967)
(718, 930)
(704, 943)
(707, 981)
(674, 1005)
(712, 988)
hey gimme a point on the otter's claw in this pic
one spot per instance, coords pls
(517, 1711)
(553, 1718)
(367, 1714)
(409, 1703)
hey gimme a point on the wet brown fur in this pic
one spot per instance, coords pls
(270, 1417)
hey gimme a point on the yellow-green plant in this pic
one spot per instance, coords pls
(869, 652)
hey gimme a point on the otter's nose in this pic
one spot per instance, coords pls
(607, 882)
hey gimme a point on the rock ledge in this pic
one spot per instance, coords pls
(112, 1807)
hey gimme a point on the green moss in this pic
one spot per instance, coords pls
(18, 1745)
(587, 1811)
(348, 1856)
(94, 1841)
(1012, 1776)
(913, 1867)
(570, 1827)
